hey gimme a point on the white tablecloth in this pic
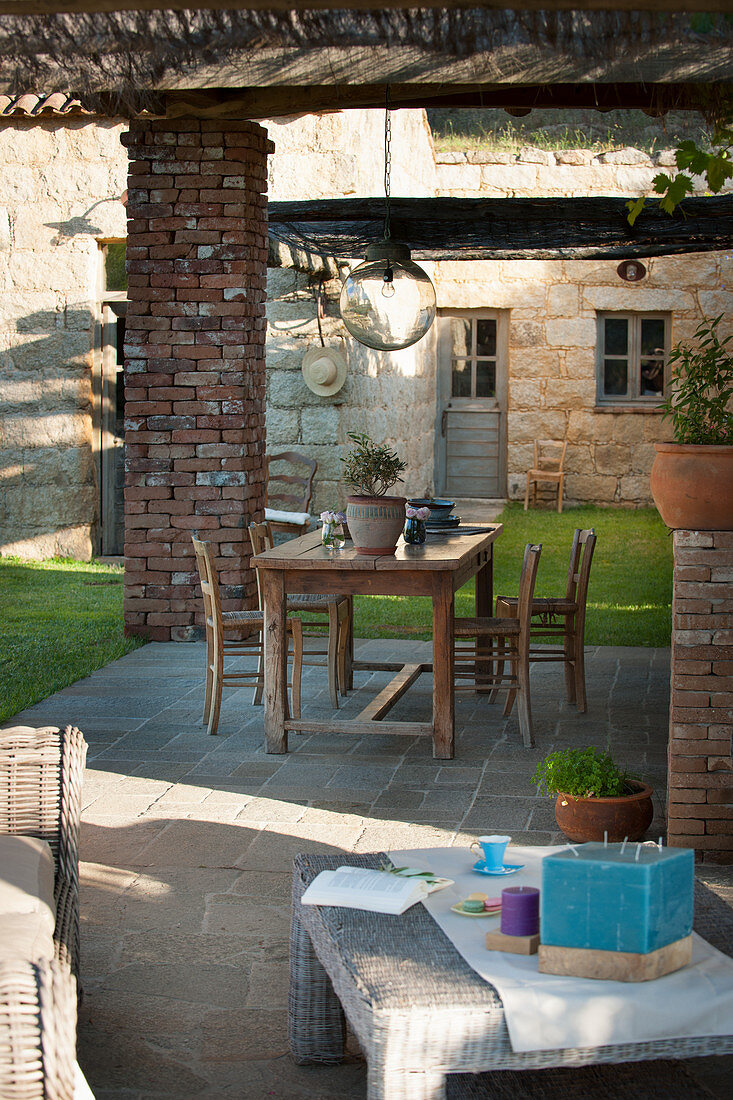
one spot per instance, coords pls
(547, 1011)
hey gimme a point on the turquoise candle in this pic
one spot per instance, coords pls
(617, 897)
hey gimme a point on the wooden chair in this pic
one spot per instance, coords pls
(547, 467)
(498, 640)
(563, 617)
(219, 624)
(288, 491)
(337, 609)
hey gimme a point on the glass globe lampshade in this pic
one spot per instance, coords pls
(388, 302)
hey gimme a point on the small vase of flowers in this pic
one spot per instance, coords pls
(415, 530)
(332, 532)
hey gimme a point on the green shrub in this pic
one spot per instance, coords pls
(585, 773)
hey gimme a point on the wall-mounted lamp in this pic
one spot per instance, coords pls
(631, 271)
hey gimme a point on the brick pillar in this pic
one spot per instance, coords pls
(700, 807)
(194, 364)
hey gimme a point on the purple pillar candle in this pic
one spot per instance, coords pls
(520, 911)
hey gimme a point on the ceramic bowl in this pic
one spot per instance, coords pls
(439, 509)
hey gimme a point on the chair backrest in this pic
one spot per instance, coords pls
(289, 486)
(260, 537)
(527, 580)
(581, 556)
(209, 585)
(549, 456)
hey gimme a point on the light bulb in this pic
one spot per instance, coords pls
(388, 302)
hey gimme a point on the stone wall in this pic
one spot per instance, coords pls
(552, 357)
(61, 185)
(390, 397)
(61, 188)
(567, 172)
(700, 796)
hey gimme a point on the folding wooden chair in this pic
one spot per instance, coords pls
(248, 627)
(547, 467)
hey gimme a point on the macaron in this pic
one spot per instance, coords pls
(473, 905)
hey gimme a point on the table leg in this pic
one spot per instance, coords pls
(390, 1083)
(443, 684)
(276, 661)
(316, 1021)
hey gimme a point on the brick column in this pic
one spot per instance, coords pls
(194, 364)
(700, 806)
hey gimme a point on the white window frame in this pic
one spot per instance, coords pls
(633, 397)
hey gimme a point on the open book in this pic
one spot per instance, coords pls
(388, 891)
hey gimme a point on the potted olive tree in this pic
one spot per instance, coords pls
(692, 478)
(594, 796)
(375, 520)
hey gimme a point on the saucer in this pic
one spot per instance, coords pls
(462, 912)
(507, 869)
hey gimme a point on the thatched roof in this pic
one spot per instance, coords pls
(135, 57)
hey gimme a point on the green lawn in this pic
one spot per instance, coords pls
(630, 593)
(59, 620)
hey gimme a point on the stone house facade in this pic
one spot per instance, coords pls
(522, 350)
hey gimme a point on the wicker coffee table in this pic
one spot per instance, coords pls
(417, 1008)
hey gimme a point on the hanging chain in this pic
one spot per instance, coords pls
(387, 160)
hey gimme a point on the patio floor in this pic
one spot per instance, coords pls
(187, 842)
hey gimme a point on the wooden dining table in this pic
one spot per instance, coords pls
(437, 568)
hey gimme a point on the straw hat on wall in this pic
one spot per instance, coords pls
(324, 370)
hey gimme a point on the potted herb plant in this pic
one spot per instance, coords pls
(375, 520)
(595, 796)
(692, 478)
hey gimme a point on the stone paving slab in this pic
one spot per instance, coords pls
(187, 842)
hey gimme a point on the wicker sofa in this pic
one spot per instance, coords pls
(40, 800)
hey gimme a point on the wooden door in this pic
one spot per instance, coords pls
(471, 445)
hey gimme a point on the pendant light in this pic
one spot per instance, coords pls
(388, 302)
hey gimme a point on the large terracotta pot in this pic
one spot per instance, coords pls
(693, 486)
(375, 523)
(628, 815)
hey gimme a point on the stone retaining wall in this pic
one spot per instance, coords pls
(700, 795)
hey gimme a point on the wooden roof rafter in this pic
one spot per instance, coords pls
(517, 99)
(510, 229)
(46, 7)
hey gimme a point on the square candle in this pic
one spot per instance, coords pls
(610, 900)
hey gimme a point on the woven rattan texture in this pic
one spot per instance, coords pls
(417, 1008)
(37, 1031)
(40, 795)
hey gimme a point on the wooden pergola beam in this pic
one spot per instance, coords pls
(273, 102)
(49, 7)
(512, 229)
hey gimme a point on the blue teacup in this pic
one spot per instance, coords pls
(492, 848)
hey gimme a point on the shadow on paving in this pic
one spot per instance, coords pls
(187, 843)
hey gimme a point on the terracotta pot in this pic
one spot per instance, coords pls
(375, 523)
(629, 815)
(693, 486)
